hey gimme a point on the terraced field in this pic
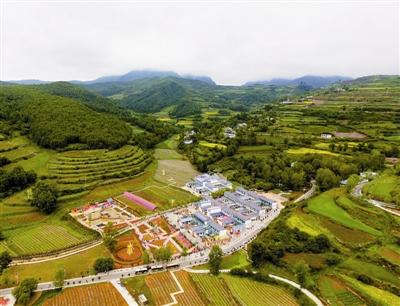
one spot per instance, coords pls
(90, 295)
(75, 171)
(325, 205)
(378, 296)
(337, 293)
(250, 292)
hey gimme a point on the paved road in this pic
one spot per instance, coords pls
(308, 194)
(357, 192)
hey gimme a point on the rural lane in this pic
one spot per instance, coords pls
(308, 194)
(357, 192)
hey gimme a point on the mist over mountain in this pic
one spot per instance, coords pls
(311, 80)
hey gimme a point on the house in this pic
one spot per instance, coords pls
(142, 299)
(229, 133)
(185, 220)
(188, 138)
(218, 230)
(326, 135)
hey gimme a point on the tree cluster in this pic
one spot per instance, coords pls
(44, 197)
(271, 246)
(15, 180)
(24, 291)
(104, 264)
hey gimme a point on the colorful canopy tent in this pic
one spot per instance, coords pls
(138, 200)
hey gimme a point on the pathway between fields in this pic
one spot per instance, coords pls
(124, 292)
(174, 300)
(308, 293)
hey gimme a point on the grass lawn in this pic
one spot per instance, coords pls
(74, 265)
(170, 143)
(175, 171)
(235, 260)
(250, 292)
(166, 154)
(310, 151)
(137, 286)
(325, 205)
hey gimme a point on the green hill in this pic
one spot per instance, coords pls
(154, 94)
(90, 99)
(56, 122)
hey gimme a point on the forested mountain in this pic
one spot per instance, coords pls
(154, 94)
(56, 122)
(90, 99)
(311, 80)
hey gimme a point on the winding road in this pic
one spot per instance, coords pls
(357, 193)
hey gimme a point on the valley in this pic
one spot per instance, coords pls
(277, 140)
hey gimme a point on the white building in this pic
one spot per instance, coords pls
(326, 135)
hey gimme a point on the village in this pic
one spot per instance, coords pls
(186, 230)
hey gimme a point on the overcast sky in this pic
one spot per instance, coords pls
(230, 42)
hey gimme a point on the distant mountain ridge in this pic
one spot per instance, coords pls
(311, 80)
(144, 74)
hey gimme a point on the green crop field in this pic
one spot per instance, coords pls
(42, 239)
(214, 288)
(310, 151)
(381, 187)
(374, 271)
(379, 296)
(325, 205)
(211, 145)
(74, 265)
(250, 292)
(336, 292)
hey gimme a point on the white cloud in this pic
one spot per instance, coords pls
(231, 42)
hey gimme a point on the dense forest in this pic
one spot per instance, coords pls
(56, 122)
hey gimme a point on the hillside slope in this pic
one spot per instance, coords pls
(56, 122)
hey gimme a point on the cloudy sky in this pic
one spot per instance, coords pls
(231, 42)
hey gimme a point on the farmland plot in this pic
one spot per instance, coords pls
(214, 289)
(90, 295)
(161, 286)
(250, 292)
